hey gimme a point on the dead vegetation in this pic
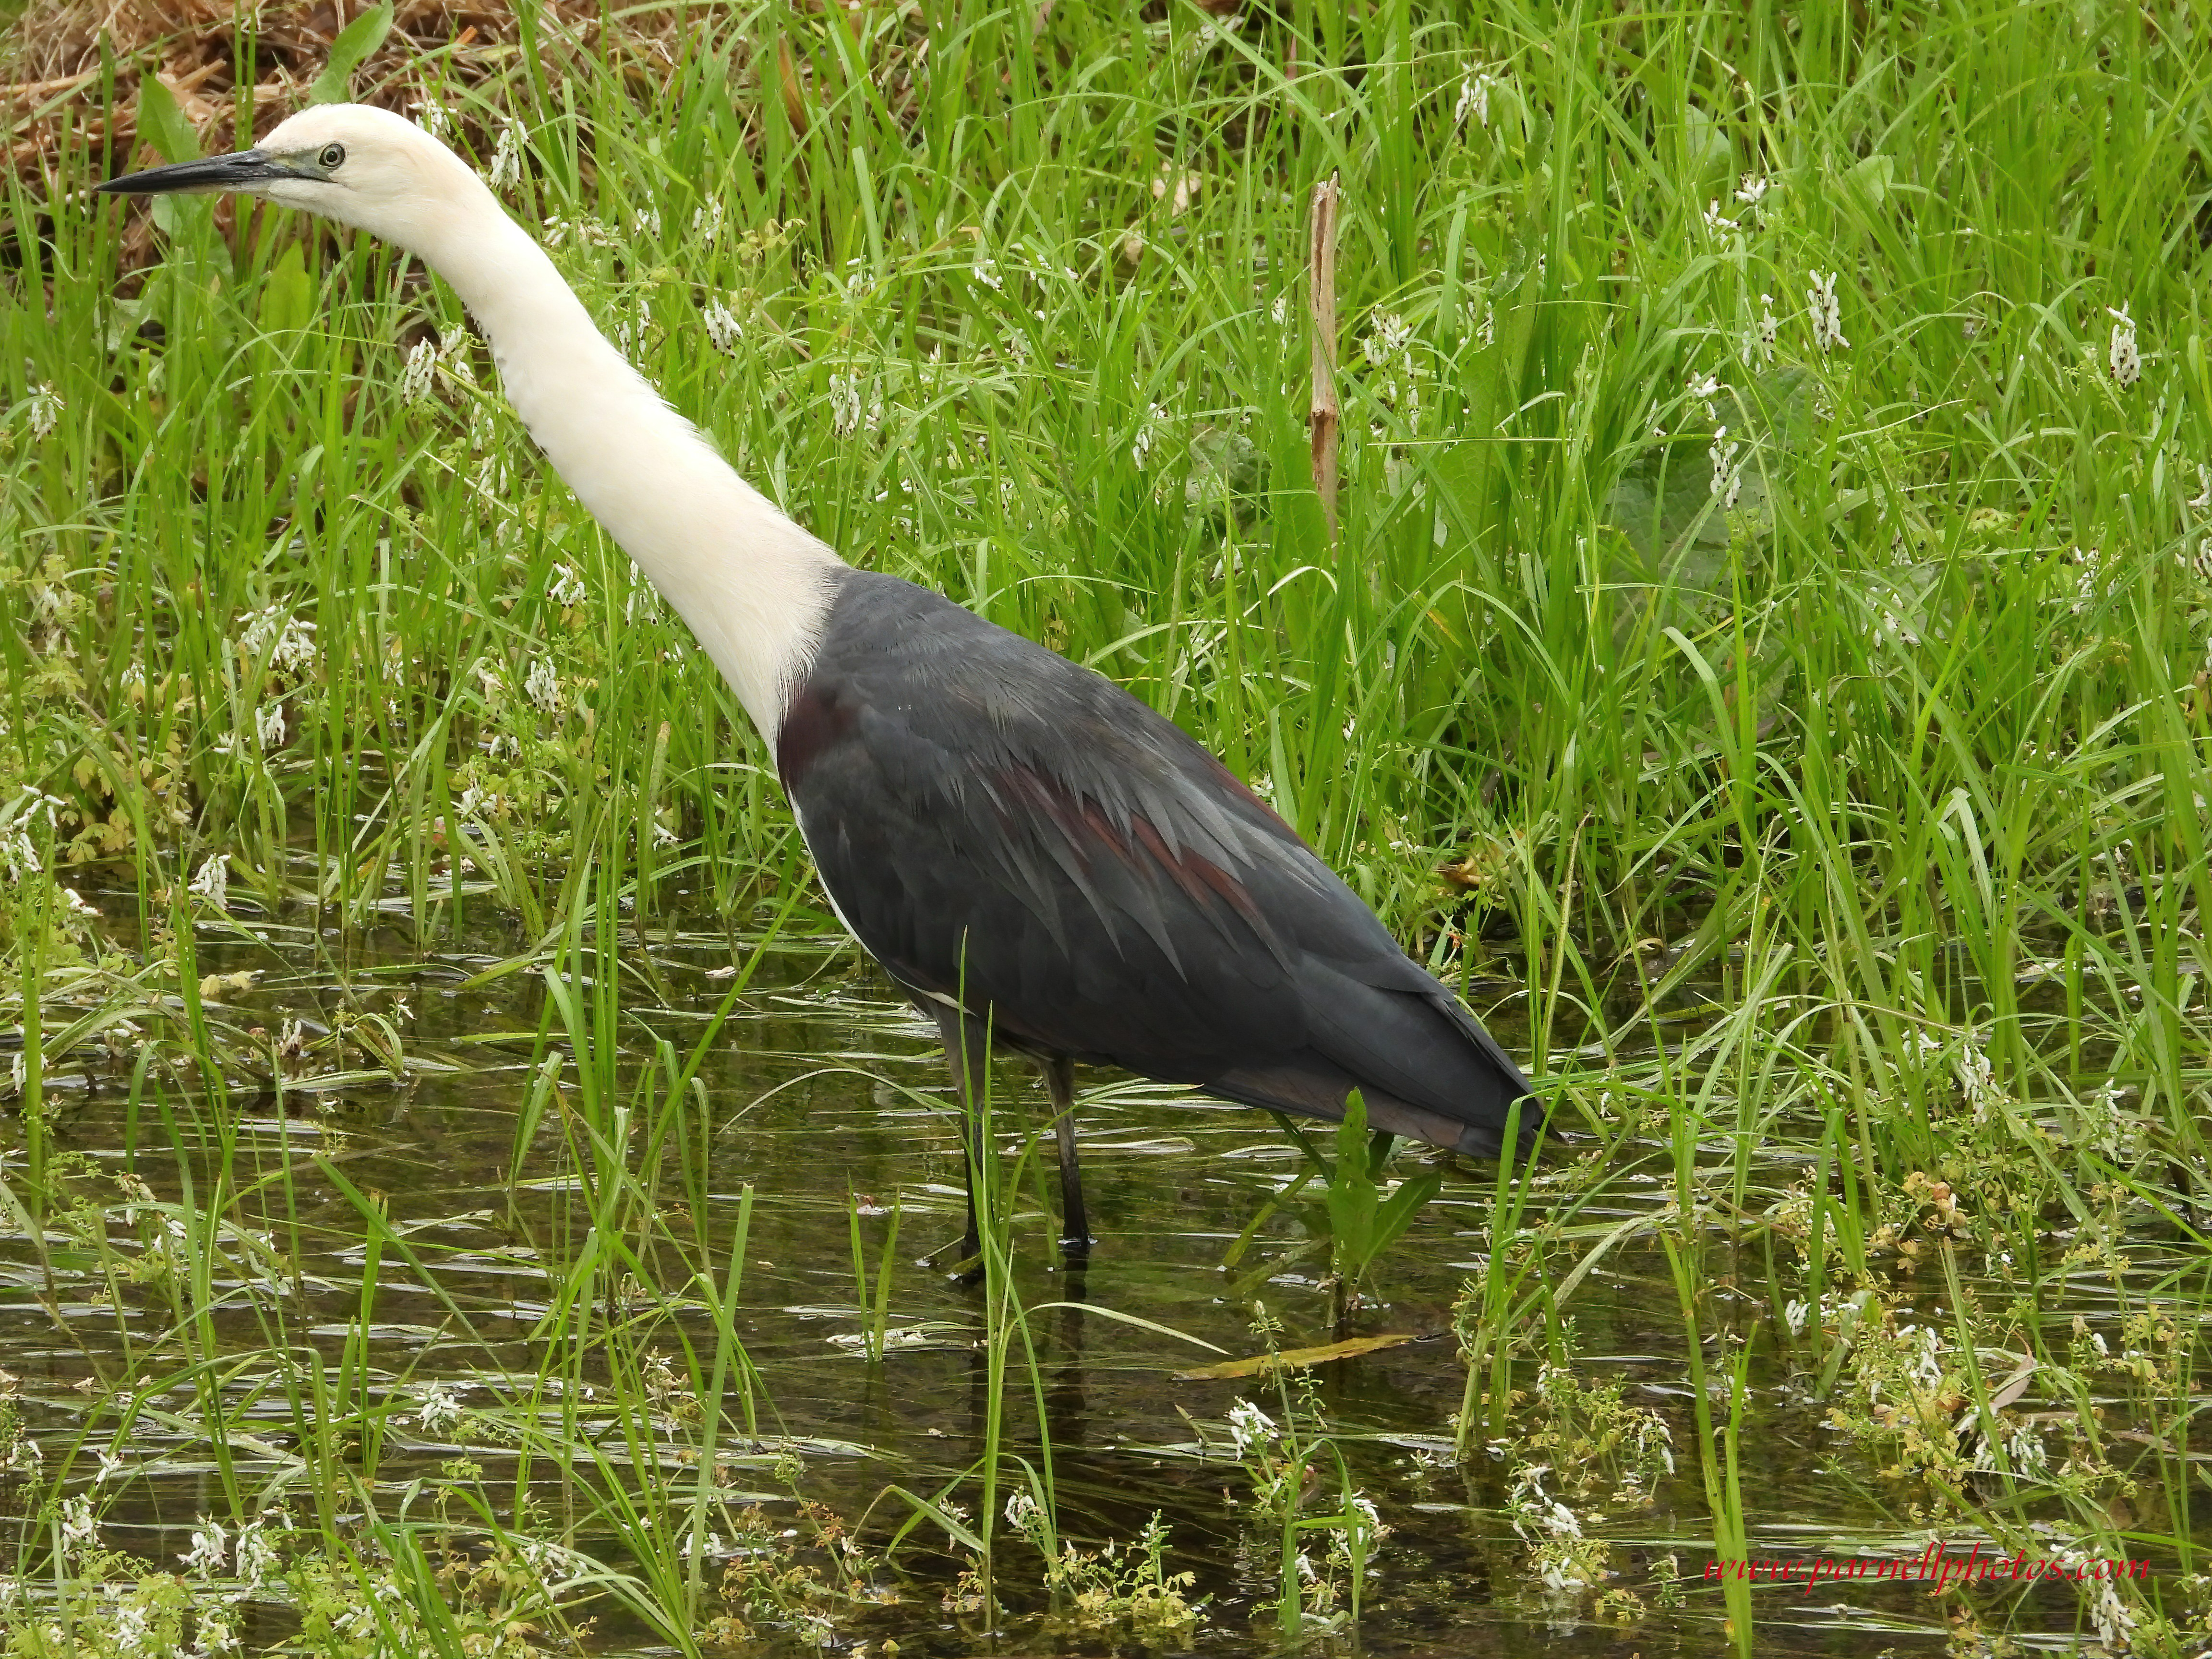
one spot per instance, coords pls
(70, 69)
(232, 68)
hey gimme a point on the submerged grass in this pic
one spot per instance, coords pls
(1773, 589)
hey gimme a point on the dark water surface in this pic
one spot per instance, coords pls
(806, 1102)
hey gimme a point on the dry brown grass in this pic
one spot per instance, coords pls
(236, 70)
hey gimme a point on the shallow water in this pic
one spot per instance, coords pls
(808, 1103)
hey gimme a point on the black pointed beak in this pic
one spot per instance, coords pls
(244, 171)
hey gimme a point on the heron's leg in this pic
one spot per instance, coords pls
(1075, 1219)
(963, 1053)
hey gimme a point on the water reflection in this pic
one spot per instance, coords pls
(822, 1086)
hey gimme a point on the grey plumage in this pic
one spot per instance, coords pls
(1002, 827)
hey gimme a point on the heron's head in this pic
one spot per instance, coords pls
(358, 165)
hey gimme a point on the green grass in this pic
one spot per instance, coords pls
(1828, 812)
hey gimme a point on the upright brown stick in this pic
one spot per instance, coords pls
(1323, 418)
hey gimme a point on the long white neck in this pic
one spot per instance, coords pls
(753, 585)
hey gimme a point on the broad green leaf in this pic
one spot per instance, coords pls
(1351, 1192)
(1396, 1212)
(288, 298)
(162, 124)
(355, 41)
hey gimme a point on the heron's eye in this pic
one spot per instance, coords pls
(332, 156)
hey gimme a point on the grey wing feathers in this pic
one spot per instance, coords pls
(1003, 827)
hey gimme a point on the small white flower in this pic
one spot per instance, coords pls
(2113, 1618)
(453, 356)
(566, 589)
(1249, 1426)
(1888, 625)
(132, 1632)
(707, 221)
(1926, 1367)
(2091, 585)
(1392, 339)
(1727, 471)
(646, 221)
(1794, 1314)
(430, 116)
(210, 1551)
(643, 599)
(18, 852)
(506, 159)
(1279, 313)
(1372, 1517)
(630, 332)
(2122, 358)
(1752, 190)
(723, 331)
(1531, 1504)
(439, 1410)
(257, 1553)
(78, 1528)
(289, 643)
(268, 725)
(1474, 89)
(985, 271)
(854, 402)
(216, 1636)
(1978, 1079)
(421, 369)
(1825, 311)
(45, 410)
(212, 882)
(1714, 218)
(1021, 1510)
(1148, 432)
(1761, 342)
(542, 686)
